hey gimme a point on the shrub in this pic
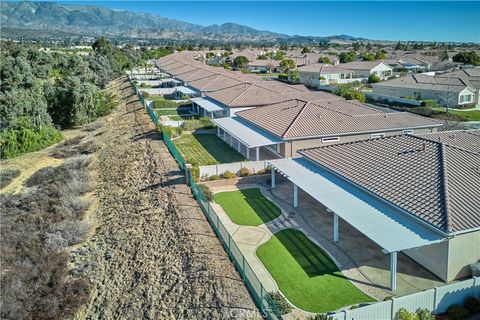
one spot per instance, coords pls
(6, 176)
(387, 298)
(373, 78)
(145, 94)
(457, 312)
(424, 314)
(214, 177)
(195, 171)
(244, 172)
(206, 191)
(228, 175)
(283, 76)
(472, 304)
(430, 103)
(354, 95)
(404, 314)
(283, 306)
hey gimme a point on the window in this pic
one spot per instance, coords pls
(274, 147)
(466, 98)
(407, 131)
(377, 135)
(330, 139)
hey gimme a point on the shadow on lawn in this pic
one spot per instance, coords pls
(309, 256)
(217, 148)
(264, 208)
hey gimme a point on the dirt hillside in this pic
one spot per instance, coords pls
(152, 254)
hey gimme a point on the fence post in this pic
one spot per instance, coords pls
(392, 308)
(435, 299)
(243, 267)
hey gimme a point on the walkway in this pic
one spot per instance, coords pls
(360, 260)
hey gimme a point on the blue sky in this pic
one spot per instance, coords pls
(384, 20)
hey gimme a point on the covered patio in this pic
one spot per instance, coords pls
(207, 108)
(181, 91)
(388, 229)
(253, 143)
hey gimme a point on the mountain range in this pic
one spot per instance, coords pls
(61, 20)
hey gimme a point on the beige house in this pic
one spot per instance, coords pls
(446, 90)
(297, 124)
(363, 69)
(432, 179)
(324, 74)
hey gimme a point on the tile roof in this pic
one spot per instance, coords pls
(361, 65)
(296, 118)
(421, 81)
(324, 68)
(470, 77)
(437, 182)
(465, 139)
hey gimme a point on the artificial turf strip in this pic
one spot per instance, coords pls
(247, 207)
(306, 275)
(206, 149)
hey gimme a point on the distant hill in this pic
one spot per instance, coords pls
(25, 18)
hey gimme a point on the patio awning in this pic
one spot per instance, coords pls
(246, 133)
(185, 90)
(387, 226)
(167, 80)
(207, 104)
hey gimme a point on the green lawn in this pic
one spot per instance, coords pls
(205, 149)
(161, 102)
(306, 275)
(247, 207)
(468, 115)
(175, 114)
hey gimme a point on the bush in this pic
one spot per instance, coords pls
(145, 94)
(228, 175)
(374, 79)
(6, 176)
(404, 314)
(206, 191)
(354, 95)
(424, 314)
(244, 172)
(283, 306)
(387, 298)
(195, 171)
(472, 304)
(430, 104)
(214, 177)
(283, 76)
(457, 312)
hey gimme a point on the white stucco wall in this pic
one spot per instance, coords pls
(463, 250)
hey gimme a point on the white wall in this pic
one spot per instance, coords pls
(463, 250)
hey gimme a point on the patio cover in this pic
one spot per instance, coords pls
(206, 104)
(248, 134)
(185, 90)
(387, 226)
(166, 80)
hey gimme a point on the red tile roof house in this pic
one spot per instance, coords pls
(299, 123)
(415, 194)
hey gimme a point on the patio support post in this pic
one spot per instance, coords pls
(295, 196)
(224, 135)
(238, 145)
(335, 227)
(272, 173)
(257, 156)
(248, 153)
(218, 132)
(231, 141)
(393, 271)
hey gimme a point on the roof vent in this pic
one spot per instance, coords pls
(424, 147)
(386, 116)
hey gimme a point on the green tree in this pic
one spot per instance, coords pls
(470, 57)
(347, 57)
(380, 55)
(241, 62)
(305, 50)
(367, 57)
(286, 65)
(324, 60)
(373, 78)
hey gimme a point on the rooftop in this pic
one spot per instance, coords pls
(437, 182)
(421, 81)
(298, 118)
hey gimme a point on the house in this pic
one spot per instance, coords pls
(301, 123)
(263, 66)
(363, 69)
(448, 90)
(411, 194)
(324, 74)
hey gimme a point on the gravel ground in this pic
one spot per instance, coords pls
(153, 254)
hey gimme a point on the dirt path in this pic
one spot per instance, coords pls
(153, 255)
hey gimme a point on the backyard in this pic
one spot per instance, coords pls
(306, 275)
(176, 114)
(162, 102)
(205, 149)
(247, 207)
